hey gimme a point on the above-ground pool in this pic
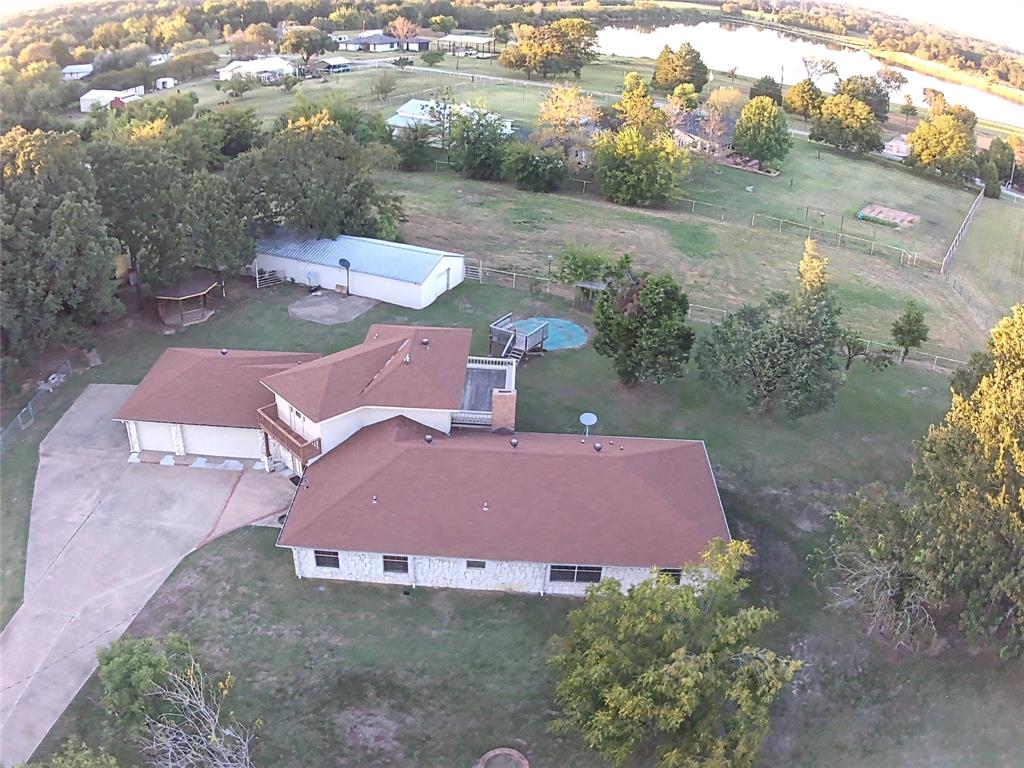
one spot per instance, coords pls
(562, 334)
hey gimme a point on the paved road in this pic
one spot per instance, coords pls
(103, 537)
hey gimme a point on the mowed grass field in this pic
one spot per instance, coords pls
(359, 675)
(990, 260)
(720, 263)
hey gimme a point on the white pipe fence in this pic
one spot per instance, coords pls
(477, 272)
(960, 233)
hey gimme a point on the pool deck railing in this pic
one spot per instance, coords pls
(515, 342)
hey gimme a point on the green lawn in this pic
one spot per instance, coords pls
(721, 264)
(363, 675)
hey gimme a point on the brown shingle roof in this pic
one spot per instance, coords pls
(202, 386)
(375, 373)
(638, 502)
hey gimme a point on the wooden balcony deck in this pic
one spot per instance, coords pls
(285, 435)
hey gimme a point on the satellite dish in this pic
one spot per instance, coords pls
(344, 263)
(588, 420)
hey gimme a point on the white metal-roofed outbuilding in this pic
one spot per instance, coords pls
(406, 275)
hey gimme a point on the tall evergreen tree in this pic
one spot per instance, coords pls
(781, 352)
(684, 66)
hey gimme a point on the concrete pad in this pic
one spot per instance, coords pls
(88, 424)
(256, 497)
(330, 308)
(104, 534)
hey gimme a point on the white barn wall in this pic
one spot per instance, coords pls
(505, 576)
(431, 289)
(403, 294)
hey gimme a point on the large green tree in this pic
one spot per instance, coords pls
(782, 352)
(57, 257)
(943, 144)
(846, 123)
(634, 168)
(673, 670)
(762, 132)
(313, 176)
(641, 325)
(478, 144)
(307, 42)
(957, 538)
(566, 45)
(144, 194)
(683, 66)
(766, 86)
(636, 107)
(870, 90)
(804, 99)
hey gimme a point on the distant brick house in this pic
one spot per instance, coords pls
(409, 469)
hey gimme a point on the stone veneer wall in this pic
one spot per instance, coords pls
(507, 576)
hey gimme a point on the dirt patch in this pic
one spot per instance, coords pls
(369, 730)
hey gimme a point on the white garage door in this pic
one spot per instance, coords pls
(232, 442)
(155, 436)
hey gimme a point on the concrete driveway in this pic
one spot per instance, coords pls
(103, 536)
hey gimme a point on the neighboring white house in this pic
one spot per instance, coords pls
(371, 40)
(76, 71)
(164, 83)
(266, 69)
(432, 113)
(897, 147)
(406, 275)
(104, 98)
(215, 414)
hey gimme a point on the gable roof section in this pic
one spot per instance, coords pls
(202, 386)
(375, 373)
(638, 502)
(396, 261)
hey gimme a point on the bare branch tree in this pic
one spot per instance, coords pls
(817, 68)
(195, 731)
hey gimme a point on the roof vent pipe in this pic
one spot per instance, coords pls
(407, 359)
(374, 499)
(223, 350)
(428, 439)
(425, 342)
(513, 442)
(598, 447)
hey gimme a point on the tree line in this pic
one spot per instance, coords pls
(170, 190)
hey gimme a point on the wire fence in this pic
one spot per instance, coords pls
(27, 414)
(475, 271)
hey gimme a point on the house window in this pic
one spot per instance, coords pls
(396, 564)
(580, 574)
(476, 564)
(674, 574)
(326, 558)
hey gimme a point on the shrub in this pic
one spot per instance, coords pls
(533, 169)
(582, 262)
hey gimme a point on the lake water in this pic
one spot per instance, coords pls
(756, 51)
